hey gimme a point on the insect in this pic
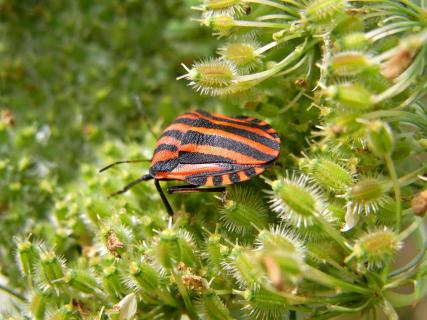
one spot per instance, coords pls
(209, 151)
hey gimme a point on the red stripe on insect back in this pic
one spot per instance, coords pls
(183, 171)
(163, 155)
(222, 152)
(168, 140)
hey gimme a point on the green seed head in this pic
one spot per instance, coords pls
(352, 96)
(297, 200)
(354, 41)
(377, 248)
(323, 11)
(27, 257)
(349, 63)
(81, 280)
(214, 77)
(220, 24)
(245, 268)
(266, 304)
(380, 138)
(241, 54)
(367, 195)
(244, 211)
(143, 277)
(329, 174)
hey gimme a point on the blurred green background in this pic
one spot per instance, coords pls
(69, 73)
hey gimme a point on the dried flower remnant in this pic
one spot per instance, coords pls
(419, 203)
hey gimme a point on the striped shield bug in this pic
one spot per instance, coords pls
(209, 151)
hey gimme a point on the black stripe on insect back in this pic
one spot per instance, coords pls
(249, 124)
(193, 137)
(234, 177)
(250, 172)
(165, 147)
(203, 123)
(173, 133)
(217, 180)
(196, 158)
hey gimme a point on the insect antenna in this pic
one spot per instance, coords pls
(120, 162)
(130, 185)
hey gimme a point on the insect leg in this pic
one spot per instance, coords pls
(164, 199)
(193, 188)
(130, 185)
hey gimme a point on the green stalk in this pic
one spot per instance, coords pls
(183, 291)
(396, 187)
(274, 5)
(12, 293)
(409, 230)
(318, 276)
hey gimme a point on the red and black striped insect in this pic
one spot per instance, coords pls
(209, 150)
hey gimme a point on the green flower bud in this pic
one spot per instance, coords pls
(353, 96)
(377, 248)
(81, 281)
(349, 63)
(380, 138)
(27, 257)
(220, 24)
(329, 174)
(167, 251)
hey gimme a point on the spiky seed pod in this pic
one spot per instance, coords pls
(325, 250)
(50, 271)
(367, 195)
(323, 11)
(331, 175)
(220, 24)
(349, 63)
(143, 277)
(81, 280)
(285, 250)
(419, 203)
(354, 41)
(27, 256)
(244, 211)
(377, 248)
(174, 247)
(38, 303)
(214, 77)
(66, 312)
(380, 138)
(187, 250)
(211, 307)
(167, 251)
(241, 54)
(223, 7)
(352, 96)
(386, 215)
(213, 251)
(245, 269)
(264, 304)
(112, 281)
(297, 200)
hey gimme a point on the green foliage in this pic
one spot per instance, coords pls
(84, 84)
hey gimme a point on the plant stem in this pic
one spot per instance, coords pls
(396, 187)
(12, 293)
(183, 291)
(318, 276)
